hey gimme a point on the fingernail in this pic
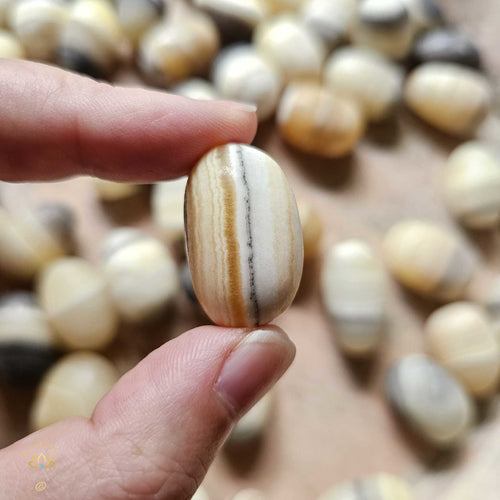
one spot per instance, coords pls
(257, 362)
(241, 106)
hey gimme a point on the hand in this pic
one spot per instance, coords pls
(155, 433)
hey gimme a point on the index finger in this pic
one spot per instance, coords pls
(56, 124)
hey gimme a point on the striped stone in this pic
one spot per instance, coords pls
(461, 337)
(244, 237)
(353, 286)
(428, 259)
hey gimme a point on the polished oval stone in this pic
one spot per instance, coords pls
(461, 337)
(31, 239)
(384, 26)
(373, 81)
(428, 259)
(430, 400)
(447, 46)
(72, 388)
(28, 345)
(240, 73)
(10, 46)
(167, 207)
(317, 121)
(377, 487)
(331, 20)
(180, 47)
(472, 186)
(138, 16)
(449, 97)
(354, 294)
(296, 51)
(90, 41)
(76, 298)
(312, 229)
(244, 237)
(141, 273)
(38, 25)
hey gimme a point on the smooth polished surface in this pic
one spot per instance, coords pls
(244, 237)
(90, 40)
(28, 345)
(72, 388)
(428, 259)
(384, 26)
(331, 20)
(312, 230)
(354, 292)
(471, 185)
(241, 74)
(38, 25)
(331, 423)
(31, 239)
(180, 47)
(461, 338)
(141, 273)
(369, 78)
(167, 209)
(452, 98)
(137, 16)
(318, 121)
(77, 300)
(10, 46)
(296, 51)
(430, 400)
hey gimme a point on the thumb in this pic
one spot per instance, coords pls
(155, 433)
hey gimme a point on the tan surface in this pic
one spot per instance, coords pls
(331, 422)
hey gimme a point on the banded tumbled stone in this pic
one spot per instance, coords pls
(244, 237)
(353, 286)
(461, 337)
(428, 259)
(471, 185)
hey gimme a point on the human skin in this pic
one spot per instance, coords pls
(155, 433)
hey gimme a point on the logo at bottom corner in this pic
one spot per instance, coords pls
(40, 486)
(42, 456)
